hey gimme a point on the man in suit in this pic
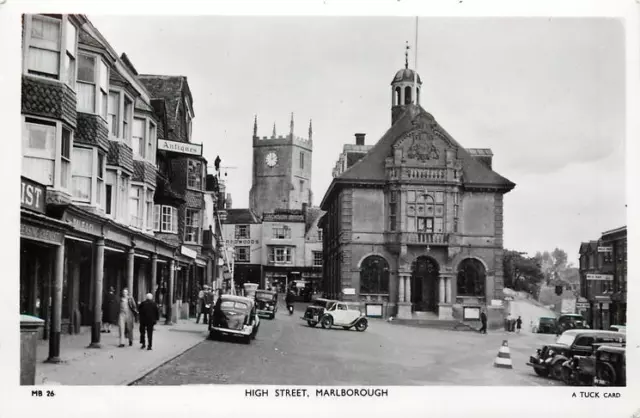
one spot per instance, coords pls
(483, 321)
(149, 315)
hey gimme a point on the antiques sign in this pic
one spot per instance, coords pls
(32, 195)
(179, 147)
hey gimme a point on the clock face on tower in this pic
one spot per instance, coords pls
(271, 159)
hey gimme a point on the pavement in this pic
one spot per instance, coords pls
(111, 365)
(288, 352)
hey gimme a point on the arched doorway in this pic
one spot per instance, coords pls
(471, 278)
(424, 284)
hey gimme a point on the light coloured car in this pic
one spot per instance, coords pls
(345, 315)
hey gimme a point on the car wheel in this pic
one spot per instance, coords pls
(567, 376)
(312, 324)
(361, 325)
(556, 370)
(327, 322)
(542, 372)
(606, 372)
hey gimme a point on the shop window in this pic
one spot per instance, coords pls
(374, 275)
(192, 226)
(242, 254)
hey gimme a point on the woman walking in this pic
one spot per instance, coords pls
(110, 310)
(126, 317)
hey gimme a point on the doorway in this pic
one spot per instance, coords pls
(424, 284)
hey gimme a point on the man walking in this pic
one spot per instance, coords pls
(126, 317)
(200, 304)
(208, 302)
(483, 320)
(518, 324)
(149, 315)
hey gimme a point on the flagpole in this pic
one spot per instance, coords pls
(415, 69)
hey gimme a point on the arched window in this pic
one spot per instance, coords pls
(397, 96)
(374, 275)
(407, 95)
(471, 278)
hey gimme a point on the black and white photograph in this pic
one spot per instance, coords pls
(322, 206)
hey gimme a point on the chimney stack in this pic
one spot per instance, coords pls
(360, 139)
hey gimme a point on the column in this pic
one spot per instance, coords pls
(130, 265)
(154, 274)
(98, 274)
(442, 292)
(56, 308)
(400, 288)
(169, 294)
(448, 290)
(407, 288)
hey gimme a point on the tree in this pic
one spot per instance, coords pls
(522, 273)
(557, 271)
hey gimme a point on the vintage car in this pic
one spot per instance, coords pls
(550, 359)
(547, 325)
(333, 313)
(611, 365)
(234, 316)
(570, 321)
(618, 328)
(266, 303)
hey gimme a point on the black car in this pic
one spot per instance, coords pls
(576, 342)
(570, 321)
(266, 303)
(611, 365)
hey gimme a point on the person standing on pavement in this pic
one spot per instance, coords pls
(208, 302)
(126, 317)
(149, 315)
(518, 324)
(200, 304)
(109, 310)
(483, 321)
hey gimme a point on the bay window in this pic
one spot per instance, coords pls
(135, 206)
(194, 173)
(113, 108)
(280, 255)
(39, 150)
(82, 170)
(149, 210)
(123, 198)
(111, 189)
(100, 179)
(165, 219)
(192, 226)
(151, 143)
(65, 158)
(92, 85)
(139, 142)
(127, 119)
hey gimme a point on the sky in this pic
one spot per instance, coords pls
(546, 95)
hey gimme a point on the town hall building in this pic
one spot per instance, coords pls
(414, 226)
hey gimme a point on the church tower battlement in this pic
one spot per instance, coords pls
(281, 170)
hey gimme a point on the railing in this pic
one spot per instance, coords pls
(419, 238)
(417, 173)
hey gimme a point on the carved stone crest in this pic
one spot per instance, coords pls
(422, 147)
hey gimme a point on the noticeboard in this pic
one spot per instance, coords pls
(373, 310)
(470, 313)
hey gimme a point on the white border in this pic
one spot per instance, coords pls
(229, 401)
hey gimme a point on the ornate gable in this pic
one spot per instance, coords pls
(423, 144)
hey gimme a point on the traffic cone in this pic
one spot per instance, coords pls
(503, 359)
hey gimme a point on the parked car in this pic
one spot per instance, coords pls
(234, 316)
(549, 360)
(266, 303)
(570, 321)
(547, 325)
(611, 365)
(579, 370)
(314, 312)
(618, 328)
(340, 314)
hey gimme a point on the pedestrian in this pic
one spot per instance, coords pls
(126, 317)
(289, 299)
(483, 321)
(109, 310)
(200, 304)
(208, 302)
(518, 324)
(149, 315)
(509, 322)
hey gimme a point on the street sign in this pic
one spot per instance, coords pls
(605, 249)
(582, 306)
(605, 277)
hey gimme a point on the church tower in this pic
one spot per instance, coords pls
(402, 89)
(281, 170)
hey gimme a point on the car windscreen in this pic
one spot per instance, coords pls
(230, 304)
(547, 320)
(267, 297)
(566, 339)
